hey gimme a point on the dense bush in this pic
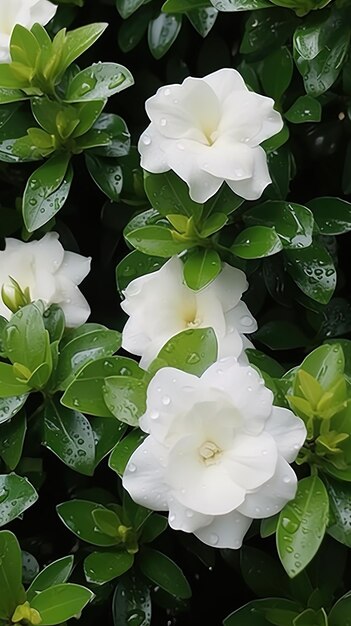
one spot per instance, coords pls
(211, 235)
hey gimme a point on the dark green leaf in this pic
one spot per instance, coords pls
(124, 449)
(304, 109)
(77, 516)
(131, 600)
(157, 241)
(292, 222)
(256, 242)
(101, 567)
(125, 397)
(162, 33)
(12, 435)
(12, 592)
(164, 572)
(332, 215)
(313, 271)
(107, 174)
(16, 495)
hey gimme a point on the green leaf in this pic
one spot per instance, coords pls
(107, 174)
(101, 567)
(169, 195)
(54, 574)
(325, 364)
(9, 384)
(302, 525)
(154, 526)
(12, 592)
(116, 129)
(281, 335)
(304, 109)
(26, 339)
(8, 96)
(125, 397)
(181, 6)
(124, 449)
(10, 406)
(163, 30)
(131, 598)
(77, 515)
(292, 222)
(256, 242)
(224, 201)
(30, 567)
(81, 346)
(107, 432)
(133, 30)
(266, 30)
(265, 363)
(340, 615)
(162, 571)
(276, 72)
(339, 499)
(254, 613)
(239, 5)
(79, 40)
(24, 47)
(99, 81)
(202, 19)
(133, 265)
(201, 268)
(12, 435)
(332, 215)
(107, 521)
(192, 351)
(68, 434)
(16, 496)
(46, 191)
(313, 271)
(61, 602)
(263, 574)
(157, 241)
(85, 393)
(127, 7)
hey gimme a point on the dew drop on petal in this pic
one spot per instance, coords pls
(246, 320)
(146, 139)
(154, 415)
(132, 467)
(166, 400)
(214, 539)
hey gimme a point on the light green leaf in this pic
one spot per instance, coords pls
(54, 574)
(125, 397)
(61, 602)
(201, 268)
(99, 81)
(192, 351)
(256, 242)
(12, 592)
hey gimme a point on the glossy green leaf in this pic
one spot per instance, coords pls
(302, 525)
(239, 5)
(340, 615)
(313, 271)
(61, 602)
(203, 19)
(292, 222)
(281, 335)
(69, 435)
(276, 72)
(46, 191)
(256, 242)
(10, 406)
(162, 571)
(124, 449)
(85, 393)
(332, 215)
(12, 435)
(131, 599)
(12, 592)
(116, 128)
(135, 264)
(201, 268)
(192, 351)
(79, 40)
(16, 496)
(53, 574)
(181, 6)
(107, 174)
(157, 241)
(304, 109)
(10, 386)
(265, 30)
(101, 567)
(154, 526)
(99, 81)
(107, 433)
(254, 613)
(77, 516)
(163, 30)
(339, 498)
(125, 397)
(169, 195)
(82, 346)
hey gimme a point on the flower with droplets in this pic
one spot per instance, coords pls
(43, 270)
(160, 305)
(209, 130)
(217, 453)
(24, 12)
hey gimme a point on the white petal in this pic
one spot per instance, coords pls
(171, 393)
(252, 188)
(241, 319)
(230, 345)
(245, 388)
(271, 497)
(48, 251)
(251, 461)
(210, 311)
(42, 12)
(224, 82)
(227, 159)
(75, 267)
(226, 531)
(182, 518)
(144, 476)
(204, 488)
(288, 430)
(153, 156)
(183, 159)
(72, 302)
(229, 286)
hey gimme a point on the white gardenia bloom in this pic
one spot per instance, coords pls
(160, 305)
(217, 453)
(209, 130)
(24, 12)
(49, 272)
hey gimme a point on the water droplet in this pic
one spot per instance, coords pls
(214, 539)
(166, 400)
(132, 467)
(146, 140)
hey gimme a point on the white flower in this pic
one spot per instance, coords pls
(218, 452)
(160, 305)
(49, 272)
(209, 130)
(24, 12)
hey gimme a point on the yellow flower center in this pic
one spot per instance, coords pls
(209, 453)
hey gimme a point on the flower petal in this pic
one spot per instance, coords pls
(229, 286)
(72, 302)
(240, 319)
(224, 81)
(252, 188)
(227, 159)
(42, 12)
(226, 531)
(271, 497)
(251, 461)
(182, 518)
(144, 476)
(75, 267)
(288, 430)
(153, 156)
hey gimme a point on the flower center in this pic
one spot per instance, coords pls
(191, 318)
(209, 453)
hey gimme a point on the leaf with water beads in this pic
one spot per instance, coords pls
(302, 525)
(99, 81)
(16, 495)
